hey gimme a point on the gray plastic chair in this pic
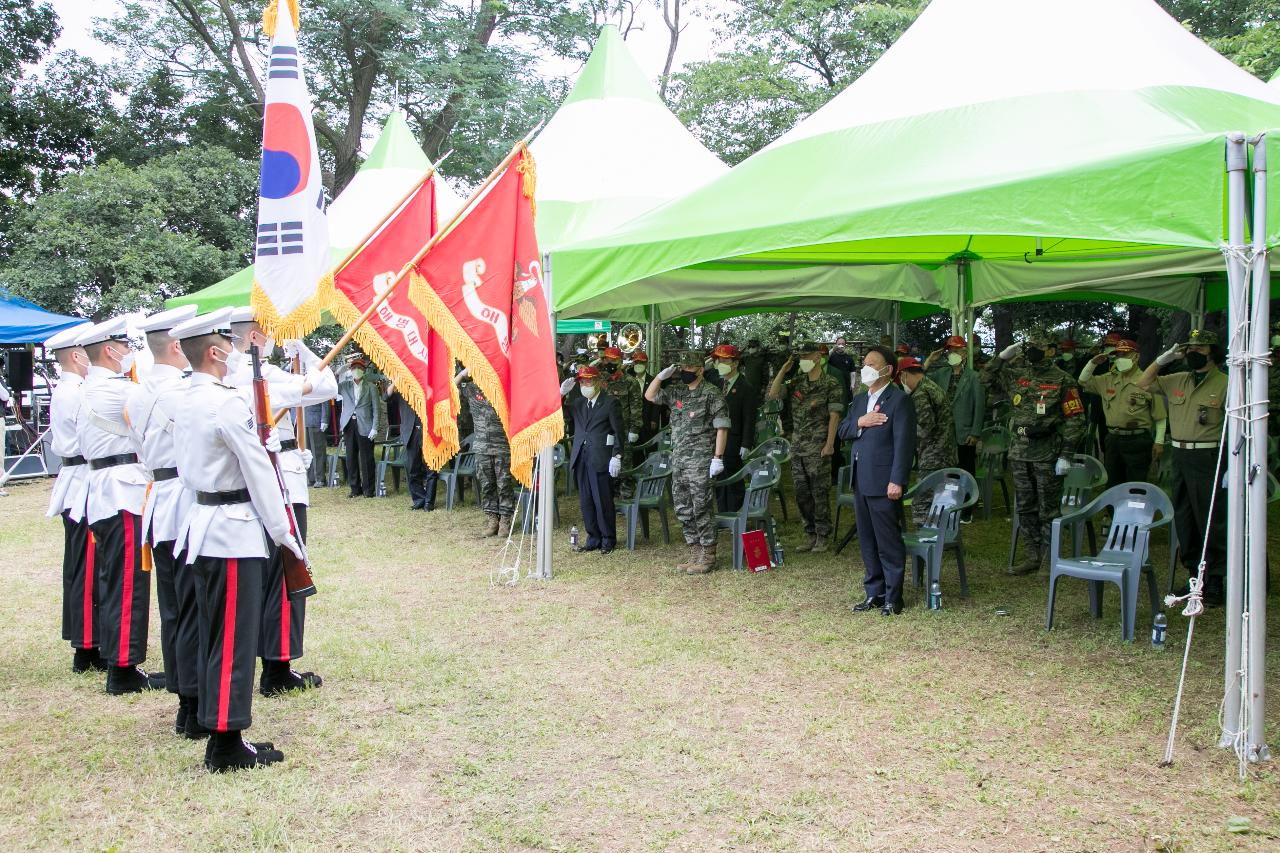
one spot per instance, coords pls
(652, 477)
(993, 467)
(844, 499)
(1124, 558)
(396, 463)
(761, 476)
(454, 477)
(954, 491)
(778, 449)
(1085, 475)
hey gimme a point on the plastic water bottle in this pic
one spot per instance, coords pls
(1158, 629)
(573, 537)
(778, 554)
(935, 596)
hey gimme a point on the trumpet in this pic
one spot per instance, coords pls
(630, 338)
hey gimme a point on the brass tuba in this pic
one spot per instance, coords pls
(630, 338)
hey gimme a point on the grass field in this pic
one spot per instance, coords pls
(622, 706)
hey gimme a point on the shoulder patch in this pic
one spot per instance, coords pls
(1071, 406)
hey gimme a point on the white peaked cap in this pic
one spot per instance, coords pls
(166, 320)
(66, 338)
(214, 323)
(115, 329)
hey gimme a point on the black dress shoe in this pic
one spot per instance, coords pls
(431, 507)
(590, 546)
(87, 659)
(417, 506)
(606, 549)
(891, 608)
(229, 751)
(278, 678)
(127, 679)
(193, 730)
(873, 602)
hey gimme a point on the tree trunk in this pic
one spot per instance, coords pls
(671, 16)
(438, 129)
(1002, 320)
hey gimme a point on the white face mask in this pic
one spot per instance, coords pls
(357, 374)
(1124, 365)
(870, 375)
(907, 388)
(806, 364)
(589, 391)
(268, 347)
(724, 369)
(234, 360)
(638, 369)
(954, 358)
(1067, 356)
(226, 359)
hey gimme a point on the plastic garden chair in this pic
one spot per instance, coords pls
(1124, 558)
(760, 475)
(653, 478)
(396, 463)
(454, 476)
(844, 499)
(954, 491)
(778, 449)
(993, 467)
(1084, 475)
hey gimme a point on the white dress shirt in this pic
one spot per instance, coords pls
(71, 489)
(103, 432)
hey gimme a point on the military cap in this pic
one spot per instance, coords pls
(588, 372)
(66, 338)
(243, 314)
(115, 329)
(956, 342)
(1038, 340)
(1202, 338)
(1111, 339)
(611, 352)
(909, 362)
(725, 351)
(640, 357)
(357, 360)
(213, 323)
(1126, 345)
(166, 320)
(692, 358)
(1067, 345)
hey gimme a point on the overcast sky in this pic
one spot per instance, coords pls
(647, 40)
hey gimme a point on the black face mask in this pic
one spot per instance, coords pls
(1033, 356)
(1196, 360)
(688, 376)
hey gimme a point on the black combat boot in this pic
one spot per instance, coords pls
(229, 751)
(87, 659)
(130, 679)
(278, 677)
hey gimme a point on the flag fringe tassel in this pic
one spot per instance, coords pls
(300, 322)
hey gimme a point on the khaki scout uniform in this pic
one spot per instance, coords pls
(1131, 414)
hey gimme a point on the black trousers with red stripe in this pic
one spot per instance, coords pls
(79, 592)
(179, 627)
(282, 620)
(124, 589)
(228, 592)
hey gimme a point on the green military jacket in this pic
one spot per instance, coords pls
(812, 402)
(935, 432)
(1048, 416)
(626, 390)
(695, 415)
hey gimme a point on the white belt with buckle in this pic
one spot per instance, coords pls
(1195, 445)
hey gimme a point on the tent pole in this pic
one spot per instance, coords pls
(1197, 316)
(897, 313)
(1256, 476)
(1237, 163)
(655, 343)
(545, 514)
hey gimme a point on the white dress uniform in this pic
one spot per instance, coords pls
(116, 492)
(71, 488)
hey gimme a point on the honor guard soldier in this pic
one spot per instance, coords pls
(238, 514)
(70, 492)
(493, 459)
(151, 411)
(1135, 417)
(283, 619)
(817, 402)
(1197, 401)
(1047, 422)
(935, 431)
(116, 495)
(699, 433)
(742, 400)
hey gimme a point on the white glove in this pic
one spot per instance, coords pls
(1010, 352)
(307, 457)
(717, 465)
(742, 452)
(666, 372)
(295, 348)
(1170, 355)
(373, 433)
(292, 544)
(273, 440)
(567, 386)
(615, 466)
(1062, 466)
(632, 438)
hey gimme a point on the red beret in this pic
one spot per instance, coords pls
(611, 352)
(725, 351)
(955, 342)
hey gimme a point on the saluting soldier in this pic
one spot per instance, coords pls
(70, 493)
(1047, 422)
(699, 433)
(623, 388)
(237, 515)
(151, 412)
(1136, 418)
(493, 458)
(935, 432)
(116, 494)
(817, 402)
(283, 619)
(1197, 400)
(967, 397)
(742, 401)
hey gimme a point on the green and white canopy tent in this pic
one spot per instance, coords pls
(1073, 146)
(395, 161)
(1007, 149)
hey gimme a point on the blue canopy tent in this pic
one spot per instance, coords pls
(24, 322)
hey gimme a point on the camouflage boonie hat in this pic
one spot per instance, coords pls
(809, 346)
(692, 358)
(1202, 338)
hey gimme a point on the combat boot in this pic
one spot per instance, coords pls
(491, 529)
(820, 545)
(706, 562)
(811, 544)
(1029, 566)
(504, 527)
(228, 751)
(695, 555)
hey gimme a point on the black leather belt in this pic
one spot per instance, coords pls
(291, 444)
(238, 496)
(161, 474)
(1115, 431)
(68, 461)
(113, 461)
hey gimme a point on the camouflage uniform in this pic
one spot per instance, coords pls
(812, 402)
(935, 439)
(1047, 420)
(696, 414)
(626, 390)
(493, 455)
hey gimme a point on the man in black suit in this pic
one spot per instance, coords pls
(881, 423)
(419, 479)
(596, 457)
(743, 402)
